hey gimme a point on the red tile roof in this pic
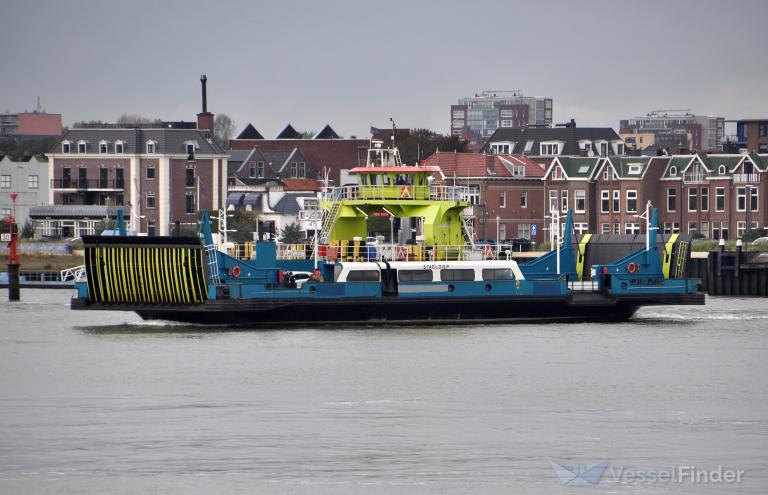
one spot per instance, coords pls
(482, 165)
(300, 184)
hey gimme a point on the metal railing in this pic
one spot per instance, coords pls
(361, 251)
(397, 191)
(746, 177)
(76, 273)
(87, 184)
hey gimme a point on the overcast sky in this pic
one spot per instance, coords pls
(356, 63)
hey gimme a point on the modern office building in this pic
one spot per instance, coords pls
(476, 118)
(30, 125)
(672, 130)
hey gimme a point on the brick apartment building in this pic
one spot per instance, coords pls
(752, 135)
(716, 196)
(507, 192)
(163, 175)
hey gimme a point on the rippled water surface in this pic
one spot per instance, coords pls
(96, 402)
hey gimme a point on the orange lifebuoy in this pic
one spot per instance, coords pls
(632, 267)
(235, 271)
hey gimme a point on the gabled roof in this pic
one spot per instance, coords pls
(570, 136)
(249, 132)
(575, 167)
(760, 161)
(621, 164)
(680, 162)
(288, 132)
(731, 162)
(326, 133)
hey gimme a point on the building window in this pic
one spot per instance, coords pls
(150, 147)
(119, 147)
(605, 228)
(503, 148)
(719, 199)
(260, 171)
(632, 228)
(502, 232)
(692, 227)
(150, 172)
(33, 181)
(564, 200)
(631, 201)
(103, 147)
(5, 181)
(581, 228)
(616, 228)
(190, 147)
(552, 200)
(302, 170)
(673, 171)
(151, 228)
(66, 147)
(617, 201)
(82, 147)
(671, 199)
(5, 212)
(557, 173)
(524, 230)
(189, 178)
(704, 200)
(741, 199)
(721, 170)
(692, 200)
(151, 202)
(762, 130)
(753, 200)
(741, 226)
(190, 203)
(704, 229)
(252, 171)
(524, 199)
(605, 201)
(603, 149)
(580, 201)
(503, 199)
(550, 148)
(473, 196)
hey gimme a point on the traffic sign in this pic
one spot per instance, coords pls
(5, 237)
(534, 229)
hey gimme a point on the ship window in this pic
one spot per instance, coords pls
(498, 274)
(464, 275)
(363, 276)
(414, 275)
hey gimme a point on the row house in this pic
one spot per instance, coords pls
(568, 184)
(163, 175)
(714, 196)
(506, 192)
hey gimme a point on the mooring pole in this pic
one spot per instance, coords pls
(13, 261)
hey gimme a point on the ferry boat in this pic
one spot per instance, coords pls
(344, 280)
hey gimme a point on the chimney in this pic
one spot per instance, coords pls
(204, 118)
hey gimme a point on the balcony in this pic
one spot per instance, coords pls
(695, 178)
(88, 184)
(742, 178)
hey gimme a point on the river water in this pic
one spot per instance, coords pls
(97, 402)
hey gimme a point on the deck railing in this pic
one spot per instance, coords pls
(398, 192)
(746, 177)
(361, 251)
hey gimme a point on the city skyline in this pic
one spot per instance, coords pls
(352, 65)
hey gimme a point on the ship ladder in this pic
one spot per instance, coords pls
(331, 215)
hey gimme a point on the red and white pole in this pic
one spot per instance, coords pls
(13, 255)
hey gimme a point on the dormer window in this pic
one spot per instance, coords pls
(502, 148)
(151, 146)
(618, 147)
(119, 147)
(82, 146)
(721, 170)
(66, 147)
(103, 147)
(189, 147)
(550, 148)
(672, 170)
(585, 145)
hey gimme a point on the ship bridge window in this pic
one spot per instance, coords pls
(364, 179)
(498, 274)
(363, 276)
(414, 275)
(462, 275)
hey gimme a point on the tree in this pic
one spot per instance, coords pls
(420, 143)
(292, 234)
(223, 127)
(128, 118)
(28, 230)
